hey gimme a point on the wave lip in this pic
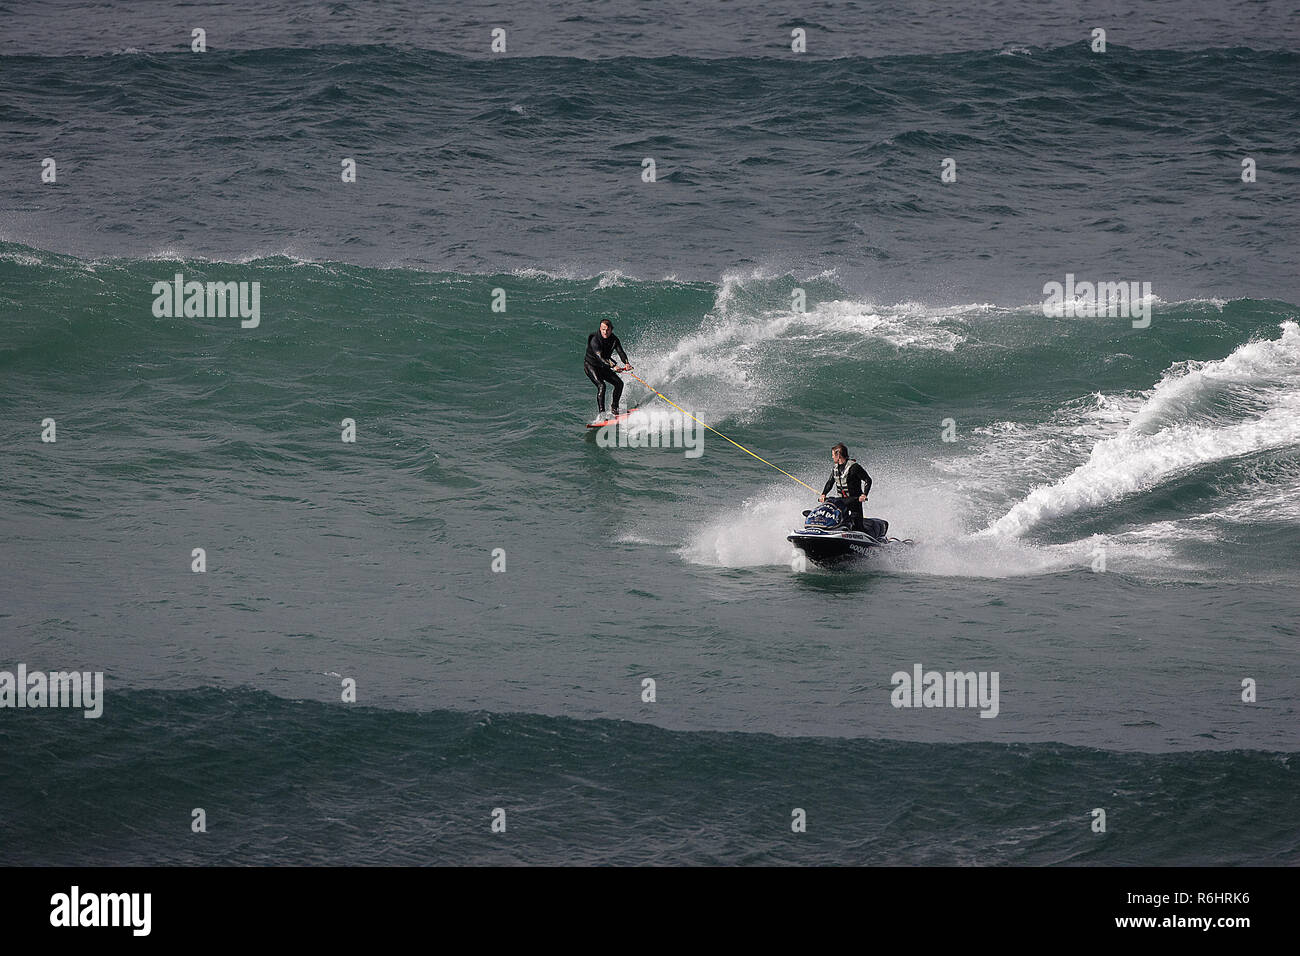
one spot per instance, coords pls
(1198, 414)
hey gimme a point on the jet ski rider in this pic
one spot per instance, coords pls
(851, 482)
(600, 368)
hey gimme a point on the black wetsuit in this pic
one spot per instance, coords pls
(858, 482)
(598, 367)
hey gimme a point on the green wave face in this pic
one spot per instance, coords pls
(1057, 425)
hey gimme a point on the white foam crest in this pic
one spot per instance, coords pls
(1214, 301)
(1082, 307)
(905, 325)
(21, 259)
(1157, 445)
(715, 372)
(731, 281)
(1016, 455)
(726, 344)
(1129, 463)
(1265, 365)
(561, 274)
(172, 254)
(718, 345)
(738, 361)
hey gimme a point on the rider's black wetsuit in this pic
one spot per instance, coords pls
(598, 367)
(857, 481)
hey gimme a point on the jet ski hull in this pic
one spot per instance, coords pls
(828, 536)
(830, 547)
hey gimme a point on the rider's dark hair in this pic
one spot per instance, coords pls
(844, 452)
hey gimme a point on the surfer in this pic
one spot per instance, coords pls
(600, 368)
(851, 483)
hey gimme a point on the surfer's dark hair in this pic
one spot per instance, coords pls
(844, 452)
(607, 322)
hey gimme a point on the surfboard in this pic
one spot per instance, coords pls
(611, 421)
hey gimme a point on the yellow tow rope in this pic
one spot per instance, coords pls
(718, 433)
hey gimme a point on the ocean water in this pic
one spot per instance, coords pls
(1104, 515)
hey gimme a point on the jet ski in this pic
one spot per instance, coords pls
(828, 536)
